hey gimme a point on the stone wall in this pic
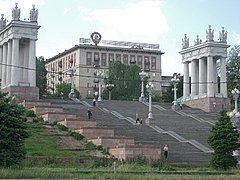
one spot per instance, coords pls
(209, 104)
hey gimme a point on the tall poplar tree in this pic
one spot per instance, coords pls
(12, 132)
(224, 140)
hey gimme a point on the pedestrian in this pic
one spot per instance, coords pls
(181, 106)
(141, 121)
(94, 102)
(137, 118)
(89, 113)
(165, 151)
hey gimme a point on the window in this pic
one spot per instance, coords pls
(132, 59)
(146, 63)
(104, 59)
(125, 59)
(153, 62)
(139, 61)
(111, 58)
(118, 57)
(89, 59)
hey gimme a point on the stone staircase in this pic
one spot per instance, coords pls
(185, 136)
(70, 115)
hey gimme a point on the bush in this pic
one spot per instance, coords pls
(29, 113)
(61, 127)
(76, 135)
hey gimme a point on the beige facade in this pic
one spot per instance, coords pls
(89, 59)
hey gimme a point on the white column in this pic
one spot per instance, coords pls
(202, 76)
(210, 78)
(215, 76)
(193, 78)
(186, 84)
(4, 67)
(223, 78)
(32, 63)
(1, 61)
(9, 62)
(15, 77)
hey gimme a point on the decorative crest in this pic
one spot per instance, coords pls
(209, 34)
(33, 14)
(223, 35)
(185, 42)
(16, 13)
(96, 37)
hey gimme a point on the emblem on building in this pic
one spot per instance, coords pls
(96, 37)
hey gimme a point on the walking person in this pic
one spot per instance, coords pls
(94, 102)
(89, 113)
(165, 151)
(137, 118)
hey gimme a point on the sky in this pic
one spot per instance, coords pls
(162, 22)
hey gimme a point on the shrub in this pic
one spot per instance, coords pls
(76, 135)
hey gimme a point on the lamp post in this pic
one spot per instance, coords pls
(234, 115)
(175, 79)
(150, 88)
(110, 87)
(72, 71)
(142, 76)
(100, 75)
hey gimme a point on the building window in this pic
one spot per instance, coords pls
(111, 58)
(139, 61)
(132, 59)
(104, 59)
(153, 63)
(146, 63)
(125, 59)
(118, 57)
(89, 59)
(96, 59)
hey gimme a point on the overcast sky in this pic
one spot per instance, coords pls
(162, 22)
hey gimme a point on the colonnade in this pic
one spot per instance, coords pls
(18, 63)
(18, 50)
(205, 61)
(204, 78)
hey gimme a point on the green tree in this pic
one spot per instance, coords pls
(224, 140)
(12, 132)
(233, 69)
(41, 76)
(65, 89)
(126, 81)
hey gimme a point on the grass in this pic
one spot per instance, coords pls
(43, 143)
(86, 173)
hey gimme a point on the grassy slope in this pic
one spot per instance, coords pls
(47, 143)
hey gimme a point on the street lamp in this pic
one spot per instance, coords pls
(150, 88)
(175, 81)
(110, 87)
(234, 115)
(72, 71)
(142, 76)
(100, 75)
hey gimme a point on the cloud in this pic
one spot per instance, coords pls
(171, 64)
(66, 10)
(236, 37)
(140, 21)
